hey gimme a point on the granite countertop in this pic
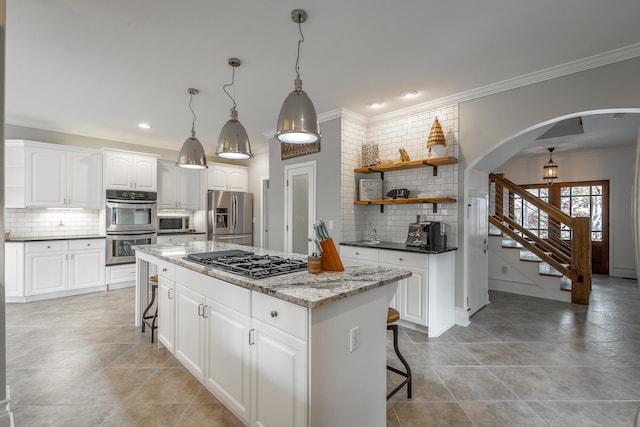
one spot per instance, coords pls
(397, 247)
(49, 238)
(301, 288)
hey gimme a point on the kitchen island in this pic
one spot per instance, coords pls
(290, 350)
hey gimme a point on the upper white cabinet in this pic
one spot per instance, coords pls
(46, 175)
(130, 171)
(227, 177)
(178, 187)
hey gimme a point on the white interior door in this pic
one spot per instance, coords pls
(478, 267)
(300, 207)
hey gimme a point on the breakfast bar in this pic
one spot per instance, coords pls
(293, 349)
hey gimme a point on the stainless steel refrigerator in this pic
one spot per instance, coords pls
(230, 217)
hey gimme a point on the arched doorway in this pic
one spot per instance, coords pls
(531, 142)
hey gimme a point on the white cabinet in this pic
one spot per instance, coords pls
(166, 305)
(412, 295)
(227, 177)
(181, 238)
(130, 171)
(228, 372)
(86, 263)
(178, 187)
(46, 267)
(279, 364)
(189, 338)
(427, 298)
(46, 175)
(60, 266)
(13, 269)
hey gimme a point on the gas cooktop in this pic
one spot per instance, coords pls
(247, 263)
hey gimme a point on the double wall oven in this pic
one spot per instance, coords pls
(131, 220)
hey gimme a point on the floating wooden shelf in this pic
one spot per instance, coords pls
(432, 200)
(434, 162)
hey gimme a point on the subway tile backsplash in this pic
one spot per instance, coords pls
(42, 222)
(411, 133)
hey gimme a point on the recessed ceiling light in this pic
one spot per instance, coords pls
(144, 125)
(375, 104)
(410, 94)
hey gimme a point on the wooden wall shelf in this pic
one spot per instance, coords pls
(433, 200)
(433, 162)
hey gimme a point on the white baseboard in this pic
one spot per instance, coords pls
(462, 317)
(6, 416)
(114, 286)
(628, 272)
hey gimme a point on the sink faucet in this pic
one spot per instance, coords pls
(374, 235)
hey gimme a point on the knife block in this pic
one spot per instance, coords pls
(330, 259)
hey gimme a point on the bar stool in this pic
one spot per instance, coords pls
(392, 316)
(153, 317)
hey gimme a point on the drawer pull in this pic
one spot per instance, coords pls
(88, 244)
(357, 253)
(48, 247)
(164, 270)
(400, 259)
(274, 313)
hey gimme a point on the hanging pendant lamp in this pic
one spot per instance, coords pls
(192, 153)
(550, 169)
(298, 121)
(233, 142)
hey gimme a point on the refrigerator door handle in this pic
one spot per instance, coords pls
(235, 211)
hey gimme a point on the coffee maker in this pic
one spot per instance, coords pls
(427, 234)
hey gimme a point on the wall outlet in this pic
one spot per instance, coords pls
(330, 224)
(354, 342)
(504, 269)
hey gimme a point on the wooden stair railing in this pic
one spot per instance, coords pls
(577, 255)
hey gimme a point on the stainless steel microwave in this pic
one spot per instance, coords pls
(173, 224)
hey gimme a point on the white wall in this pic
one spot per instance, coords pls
(615, 164)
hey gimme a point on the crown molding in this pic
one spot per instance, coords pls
(595, 61)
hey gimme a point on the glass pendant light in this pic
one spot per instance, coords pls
(192, 153)
(233, 142)
(298, 121)
(550, 169)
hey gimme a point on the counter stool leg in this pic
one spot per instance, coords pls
(407, 373)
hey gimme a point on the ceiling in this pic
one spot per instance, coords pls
(98, 68)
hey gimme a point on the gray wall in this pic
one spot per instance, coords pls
(487, 123)
(258, 169)
(328, 175)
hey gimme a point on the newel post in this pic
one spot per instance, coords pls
(581, 261)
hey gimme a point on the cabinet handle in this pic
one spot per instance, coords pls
(164, 270)
(169, 294)
(400, 259)
(48, 247)
(204, 311)
(88, 244)
(200, 309)
(274, 313)
(252, 336)
(357, 253)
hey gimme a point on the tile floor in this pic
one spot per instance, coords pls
(524, 361)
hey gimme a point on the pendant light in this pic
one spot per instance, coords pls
(233, 142)
(298, 121)
(192, 153)
(550, 169)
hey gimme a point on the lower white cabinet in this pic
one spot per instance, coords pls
(228, 372)
(190, 326)
(54, 268)
(166, 312)
(427, 298)
(279, 378)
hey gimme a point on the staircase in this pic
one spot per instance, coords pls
(513, 268)
(556, 266)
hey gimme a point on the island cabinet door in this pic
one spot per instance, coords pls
(228, 357)
(190, 326)
(166, 312)
(279, 378)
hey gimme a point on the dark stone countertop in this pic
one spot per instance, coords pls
(397, 247)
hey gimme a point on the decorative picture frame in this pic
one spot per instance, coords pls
(289, 151)
(370, 189)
